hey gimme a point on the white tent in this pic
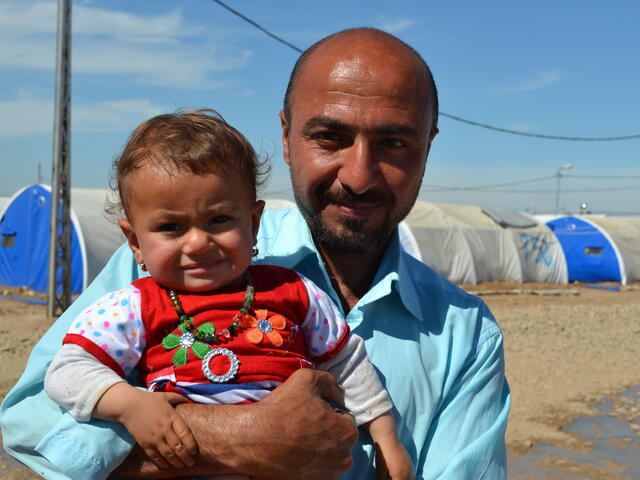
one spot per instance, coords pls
(540, 253)
(494, 253)
(442, 241)
(467, 245)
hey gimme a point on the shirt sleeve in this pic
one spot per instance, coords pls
(112, 330)
(36, 430)
(467, 435)
(61, 382)
(325, 329)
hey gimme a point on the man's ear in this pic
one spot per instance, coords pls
(285, 136)
(258, 208)
(432, 135)
(132, 239)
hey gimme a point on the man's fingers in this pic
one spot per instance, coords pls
(322, 383)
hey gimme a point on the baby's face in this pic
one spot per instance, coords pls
(193, 232)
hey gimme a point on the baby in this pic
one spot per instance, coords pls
(204, 326)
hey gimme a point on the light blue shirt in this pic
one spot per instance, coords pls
(437, 349)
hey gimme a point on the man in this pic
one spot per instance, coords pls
(359, 117)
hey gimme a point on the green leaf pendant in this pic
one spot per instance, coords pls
(200, 348)
(180, 356)
(171, 341)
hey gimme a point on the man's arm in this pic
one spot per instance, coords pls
(291, 431)
(466, 439)
(38, 432)
(291, 434)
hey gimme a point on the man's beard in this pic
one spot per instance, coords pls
(351, 237)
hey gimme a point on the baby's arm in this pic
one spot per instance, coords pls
(149, 417)
(153, 422)
(367, 400)
(344, 356)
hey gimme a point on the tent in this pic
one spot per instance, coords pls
(493, 250)
(442, 242)
(600, 248)
(590, 253)
(24, 227)
(470, 245)
(540, 253)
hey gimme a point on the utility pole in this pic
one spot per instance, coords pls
(59, 280)
(566, 166)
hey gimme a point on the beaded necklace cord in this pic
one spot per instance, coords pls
(209, 334)
(199, 339)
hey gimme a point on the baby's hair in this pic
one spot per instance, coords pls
(199, 141)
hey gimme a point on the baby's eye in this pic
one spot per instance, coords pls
(169, 227)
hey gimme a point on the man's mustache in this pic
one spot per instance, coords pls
(340, 195)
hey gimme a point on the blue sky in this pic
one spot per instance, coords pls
(567, 68)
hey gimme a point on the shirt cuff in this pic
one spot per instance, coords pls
(86, 450)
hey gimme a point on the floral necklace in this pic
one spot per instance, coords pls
(198, 339)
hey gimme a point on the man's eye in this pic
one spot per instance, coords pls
(327, 137)
(218, 219)
(392, 143)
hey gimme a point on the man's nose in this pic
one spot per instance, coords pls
(197, 241)
(359, 170)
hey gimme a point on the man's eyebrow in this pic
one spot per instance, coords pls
(333, 124)
(325, 122)
(395, 129)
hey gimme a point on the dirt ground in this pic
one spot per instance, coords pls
(566, 347)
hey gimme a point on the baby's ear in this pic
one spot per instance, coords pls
(132, 238)
(258, 208)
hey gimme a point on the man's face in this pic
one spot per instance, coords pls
(356, 144)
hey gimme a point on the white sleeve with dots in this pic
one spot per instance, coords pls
(112, 326)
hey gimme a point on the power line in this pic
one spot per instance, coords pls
(607, 177)
(453, 117)
(259, 27)
(537, 135)
(436, 189)
(508, 184)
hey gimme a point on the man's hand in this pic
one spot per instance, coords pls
(304, 437)
(291, 434)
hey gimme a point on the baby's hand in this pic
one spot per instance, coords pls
(159, 430)
(392, 459)
(393, 462)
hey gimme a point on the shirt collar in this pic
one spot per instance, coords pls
(396, 273)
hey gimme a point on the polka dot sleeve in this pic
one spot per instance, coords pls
(325, 329)
(111, 330)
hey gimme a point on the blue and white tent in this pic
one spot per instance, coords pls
(599, 248)
(24, 228)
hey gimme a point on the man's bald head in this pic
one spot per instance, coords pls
(358, 41)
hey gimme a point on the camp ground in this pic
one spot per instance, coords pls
(465, 243)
